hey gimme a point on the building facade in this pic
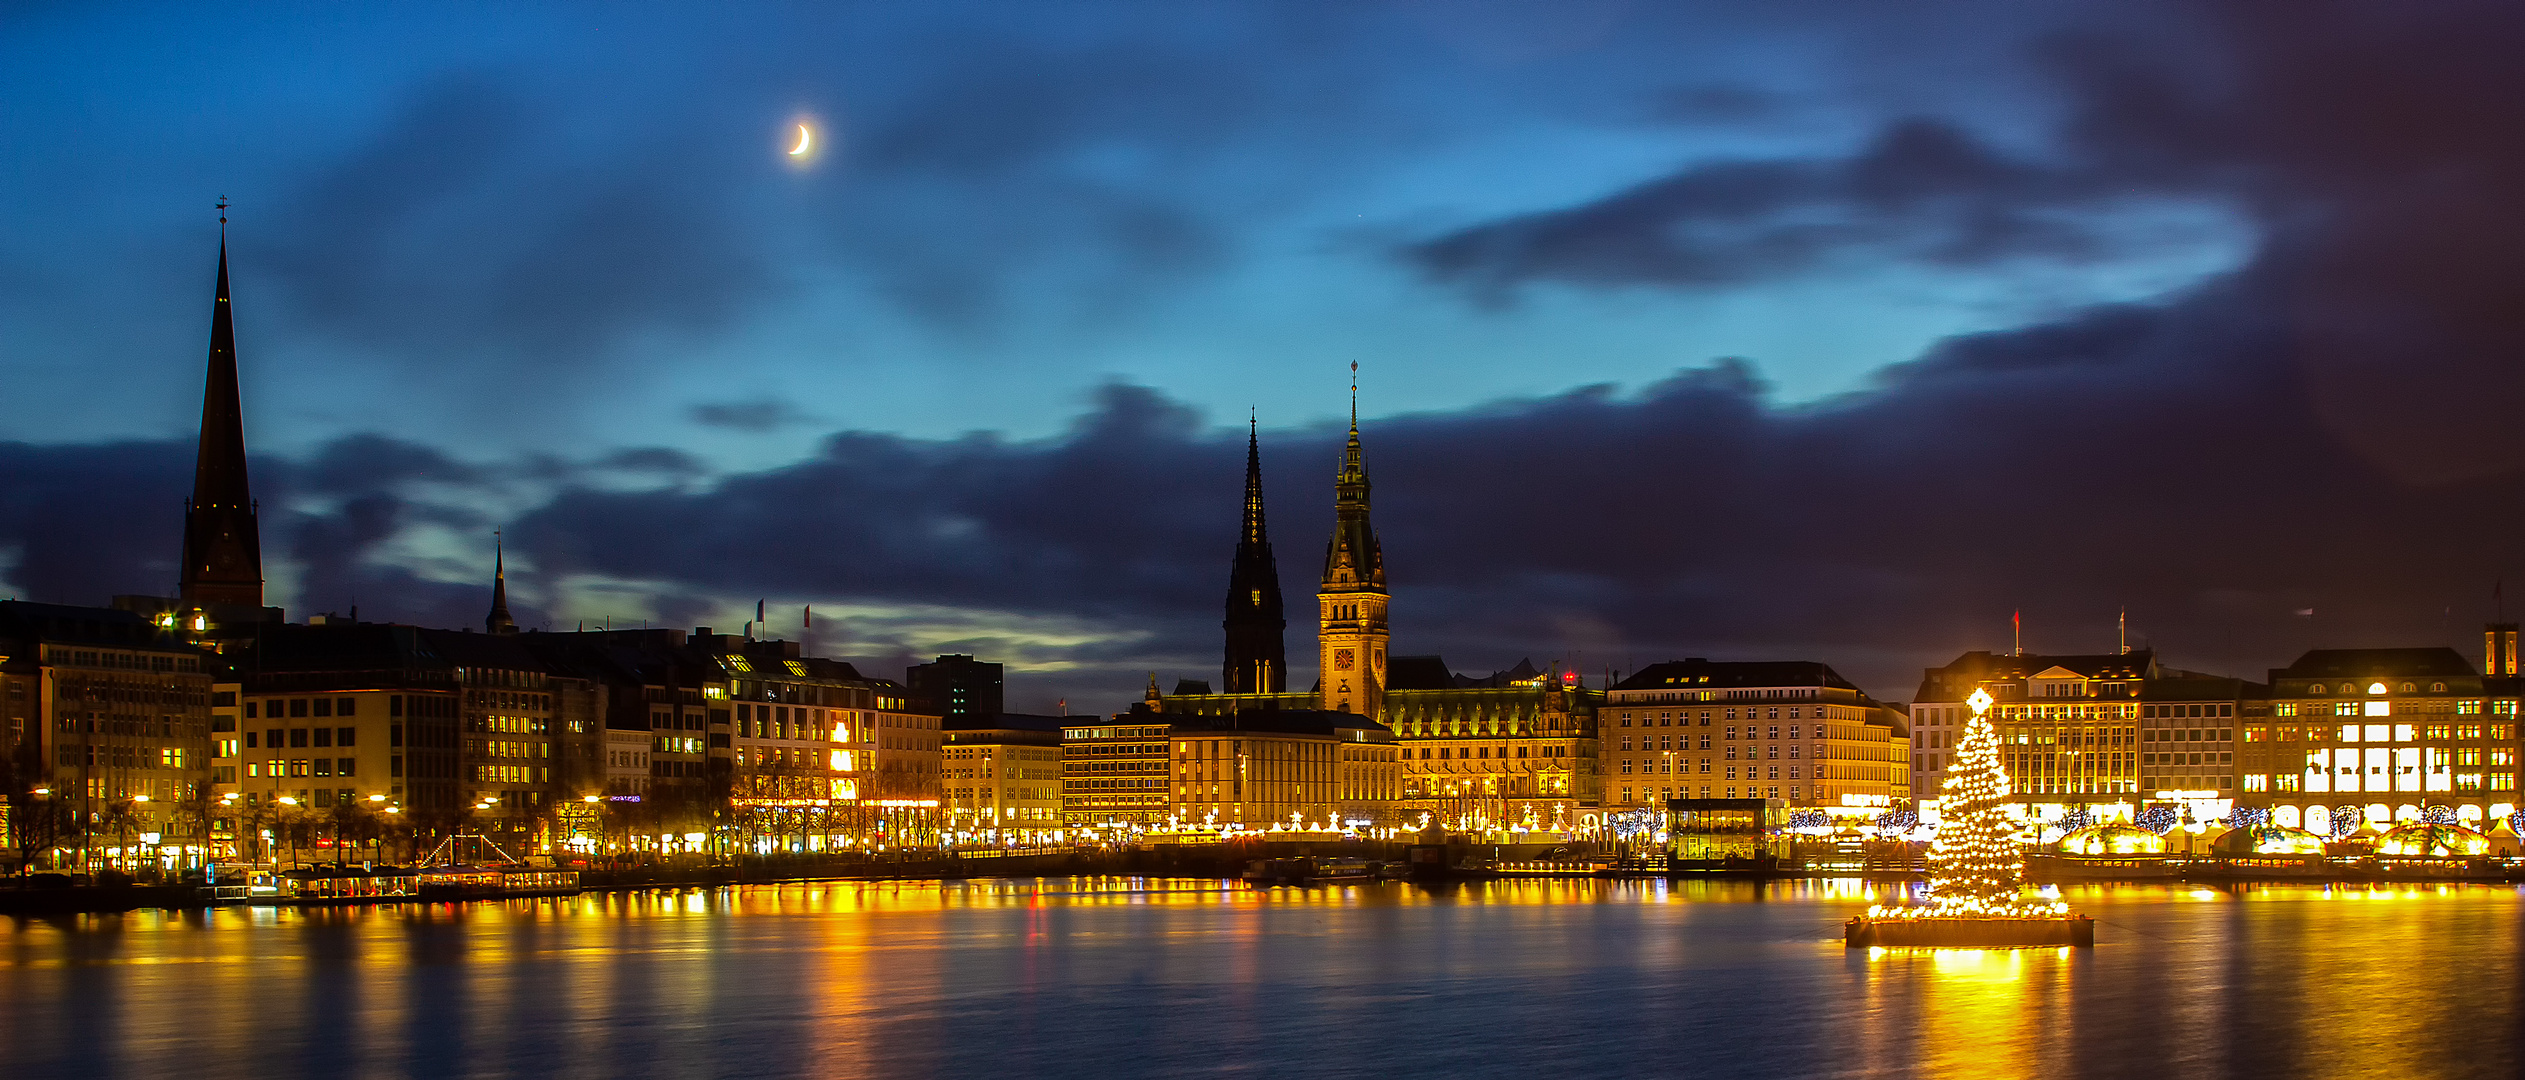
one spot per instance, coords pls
(957, 687)
(109, 738)
(1115, 772)
(2068, 725)
(1001, 778)
(2382, 734)
(1793, 731)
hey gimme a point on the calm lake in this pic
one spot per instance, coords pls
(1139, 977)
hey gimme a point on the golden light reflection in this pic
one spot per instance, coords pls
(848, 978)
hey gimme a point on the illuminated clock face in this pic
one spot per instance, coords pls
(1343, 659)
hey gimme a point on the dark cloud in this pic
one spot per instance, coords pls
(756, 415)
(1923, 191)
(458, 236)
(81, 523)
(2329, 426)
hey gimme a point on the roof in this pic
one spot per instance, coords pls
(2192, 686)
(1949, 683)
(110, 627)
(1418, 673)
(1279, 722)
(1431, 673)
(1028, 729)
(2361, 663)
(1009, 722)
(1698, 672)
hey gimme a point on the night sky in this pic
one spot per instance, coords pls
(1790, 331)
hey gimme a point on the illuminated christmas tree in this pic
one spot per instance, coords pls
(1975, 868)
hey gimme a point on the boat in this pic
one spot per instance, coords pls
(448, 875)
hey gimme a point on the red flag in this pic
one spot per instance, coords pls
(810, 616)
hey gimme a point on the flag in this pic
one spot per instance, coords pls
(810, 616)
(758, 612)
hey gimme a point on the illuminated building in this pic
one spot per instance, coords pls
(805, 727)
(1115, 771)
(626, 762)
(1256, 770)
(2386, 733)
(1512, 748)
(812, 734)
(462, 726)
(1350, 644)
(2187, 735)
(1795, 731)
(2068, 726)
(110, 715)
(1001, 777)
(1257, 659)
(955, 687)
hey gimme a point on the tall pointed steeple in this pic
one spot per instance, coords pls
(223, 547)
(498, 622)
(1257, 652)
(1352, 596)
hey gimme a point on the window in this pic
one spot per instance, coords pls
(298, 706)
(346, 767)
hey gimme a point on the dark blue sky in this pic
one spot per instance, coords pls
(1807, 330)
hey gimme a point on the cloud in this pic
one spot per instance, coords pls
(474, 229)
(756, 415)
(1923, 191)
(2328, 426)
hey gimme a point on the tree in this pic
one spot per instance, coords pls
(1976, 869)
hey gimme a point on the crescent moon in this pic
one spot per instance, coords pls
(805, 138)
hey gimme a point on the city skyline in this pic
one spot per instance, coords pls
(2215, 456)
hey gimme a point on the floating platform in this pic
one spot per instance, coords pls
(2070, 930)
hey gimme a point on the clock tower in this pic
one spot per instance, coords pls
(1351, 601)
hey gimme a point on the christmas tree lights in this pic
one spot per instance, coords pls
(1976, 870)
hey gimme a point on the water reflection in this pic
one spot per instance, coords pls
(1110, 977)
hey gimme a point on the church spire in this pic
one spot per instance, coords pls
(223, 549)
(1257, 657)
(1351, 598)
(498, 622)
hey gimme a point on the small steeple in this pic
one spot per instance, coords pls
(498, 622)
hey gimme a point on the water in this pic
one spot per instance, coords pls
(1112, 978)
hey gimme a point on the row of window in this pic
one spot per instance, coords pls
(1670, 719)
(304, 767)
(295, 738)
(122, 757)
(2378, 733)
(1668, 767)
